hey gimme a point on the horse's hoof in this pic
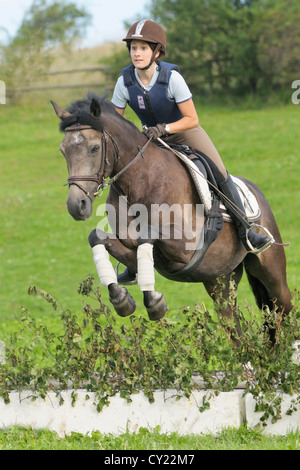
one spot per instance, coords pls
(122, 301)
(157, 310)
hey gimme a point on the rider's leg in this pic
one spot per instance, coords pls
(197, 138)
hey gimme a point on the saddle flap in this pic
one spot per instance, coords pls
(205, 192)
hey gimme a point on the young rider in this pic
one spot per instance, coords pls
(160, 97)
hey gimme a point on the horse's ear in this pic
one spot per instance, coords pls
(61, 113)
(95, 108)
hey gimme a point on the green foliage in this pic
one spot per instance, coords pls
(46, 25)
(232, 46)
(105, 357)
(116, 62)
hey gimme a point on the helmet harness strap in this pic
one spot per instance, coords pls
(157, 48)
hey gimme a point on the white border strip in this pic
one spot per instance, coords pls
(228, 409)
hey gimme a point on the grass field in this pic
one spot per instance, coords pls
(41, 244)
(17, 438)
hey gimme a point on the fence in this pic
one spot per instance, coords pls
(58, 86)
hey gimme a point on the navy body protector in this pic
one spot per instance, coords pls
(152, 107)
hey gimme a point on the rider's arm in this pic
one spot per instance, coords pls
(189, 119)
(120, 110)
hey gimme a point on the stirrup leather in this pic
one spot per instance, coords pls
(267, 245)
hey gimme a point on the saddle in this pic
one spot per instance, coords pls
(216, 213)
(206, 185)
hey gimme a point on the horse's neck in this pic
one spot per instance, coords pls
(146, 170)
(130, 144)
(129, 140)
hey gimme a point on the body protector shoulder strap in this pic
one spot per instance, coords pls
(154, 106)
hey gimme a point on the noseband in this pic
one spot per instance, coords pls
(97, 178)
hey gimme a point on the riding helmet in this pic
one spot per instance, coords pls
(147, 31)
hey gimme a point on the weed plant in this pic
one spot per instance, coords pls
(102, 355)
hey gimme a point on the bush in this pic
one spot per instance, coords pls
(107, 357)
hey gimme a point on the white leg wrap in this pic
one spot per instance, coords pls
(145, 265)
(103, 264)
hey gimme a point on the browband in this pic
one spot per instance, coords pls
(77, 127)
(82, 119)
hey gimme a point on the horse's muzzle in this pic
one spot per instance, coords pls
(79, 204)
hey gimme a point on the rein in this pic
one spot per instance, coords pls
(99, 177)
(114, 178)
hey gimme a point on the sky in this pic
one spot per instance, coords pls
(107, 23)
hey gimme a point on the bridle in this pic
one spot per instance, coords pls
(99, 177)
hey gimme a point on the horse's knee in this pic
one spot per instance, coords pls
(94, 238)
(148, 234)
(98, 237)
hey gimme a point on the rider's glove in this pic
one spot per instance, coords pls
(161, 130)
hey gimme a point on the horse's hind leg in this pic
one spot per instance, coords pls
(270, 269)
(267, 277)
(223, 293)
(119, 296)
(267, 271)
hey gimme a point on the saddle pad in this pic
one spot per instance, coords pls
(249, 201)
(200, 182)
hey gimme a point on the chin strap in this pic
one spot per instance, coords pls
(148, 66)
(157, 48)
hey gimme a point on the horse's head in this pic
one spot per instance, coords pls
(85, 150)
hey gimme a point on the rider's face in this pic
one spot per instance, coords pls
(140, 53)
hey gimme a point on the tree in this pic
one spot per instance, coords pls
(46, 25)
(279, 43)
(232, 45)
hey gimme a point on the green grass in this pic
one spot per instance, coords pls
(17, 438)
(41, 244)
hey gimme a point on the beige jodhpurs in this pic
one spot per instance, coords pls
(198, 139)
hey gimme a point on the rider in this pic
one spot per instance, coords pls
(160, 97)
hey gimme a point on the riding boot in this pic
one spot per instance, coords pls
(258, 242)
(127, 278)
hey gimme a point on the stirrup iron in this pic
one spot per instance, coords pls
(267, 245)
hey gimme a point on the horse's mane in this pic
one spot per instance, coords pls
(80, 111)
(84, 104)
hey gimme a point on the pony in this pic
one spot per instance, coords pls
(99, 144)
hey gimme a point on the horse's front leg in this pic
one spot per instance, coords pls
(140, 261)
(154, 301)
(122, 301)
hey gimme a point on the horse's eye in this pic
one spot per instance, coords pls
(95, 148)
